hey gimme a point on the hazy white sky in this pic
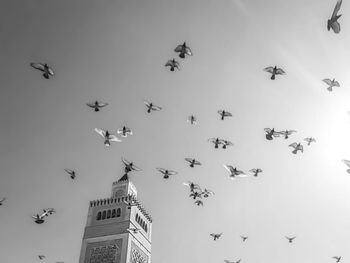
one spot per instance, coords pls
(115, 51)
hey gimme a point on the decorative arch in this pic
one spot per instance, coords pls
(109, 214)
(104, 213)
(119, 212)
(98, 216)
(113, 213)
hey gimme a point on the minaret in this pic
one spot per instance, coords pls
(106, 238)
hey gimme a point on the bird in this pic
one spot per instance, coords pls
(192, 119)
(71, 173)
(192, 162)
(192, 186)
(172, 63)
(107, 136)
(347, 162)
(133, 230)
(39, 219)
(124, 131)
(97, 105)
(166, 173)
(41, 257)
(183, 50)
(216, 142)
(234, 172)
(256, 171)
(199, 202)
(331, 84)
(227, 261)
(297, 147)
(224, 114)
(271, 133)
(206, 193)
(2, 200)
(216, 236)
(130, 203)
(290, 239)
(286, 133)
(44, 68)
(151, 106)
(226, 143)
(244, 238)
(333, 21)
(309, 140)
(274, 71)
(195, 195)
(129, 166)
(337, 259)
(49, 211)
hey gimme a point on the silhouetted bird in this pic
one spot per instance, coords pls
(274, 71)
(256, 171)
(206, 193)
(244, 238)
(331, 84)
(39, 219)
(216, 142)
(172, 63)
(107, 136)
(166, 173)
(183, 50)
(290, 239)
(297, 147)
(97, 105)
(71, 173)
(195, 195)
(129, 166)
(333, 21)
(271, 133)
(41, 257)
(286, 133)
(2, 200)
(224, 114)
(192, 119)
(130, 203)
(151, 106)
(133, 230)
(226, 143)
(125, 131)
(216, 236)
(337, 259)
(44, 68)
(347, 162)
(234, 172)
(309, 140)
(192, 162)
(192, 186)
(199, 202)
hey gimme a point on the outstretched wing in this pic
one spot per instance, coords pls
(155, 107)
(179, 48)
(135, 168)
(162, 170)
(280, 71)
(2, 200)
(102, 104)
(267, 130)
(336, 84)
(269, 69)
(148, 104)
(327, 81)
(100, 132)
(294, 145)
(336, 8)
(114, 138)
(227, 114)
(69, 171)
(228, 168)
(170, 172)
(38, 66)
(188, 51)
(347, 162)
(126, 162)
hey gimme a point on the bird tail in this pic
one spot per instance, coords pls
(182, 55)
(192, 165)
(222, 117)
(172, 69)
(46, 75)
(295, 151)
(273, 76)
(96, 109)
(329, 88)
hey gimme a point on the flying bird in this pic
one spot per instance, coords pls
(216, 236)
(44, 68)
(39, 219)
(125, 131)
(199, 202)
(234, 172)
(41, 257)
(224, 114)
(192, 186)
(151, 106)
(206, 193)
(133, 230)
(183, 50)
(192, 119)
(172, 63)
(195, 195)
(244, 238)
(331, 84)
(71, 173)
(192, 162)
(107, 136)
(286, 133)
(274, 71)
(226, 143)
(333, 21)
(297, 147)
(290, 239)
(166, 173)
(97, 105)
(130, 203)
(227, 261)
(309, 140)
(2, 200)
(347, 162)
(337, 259)
(129, 166)
(216, 142)
(271, 133)
(256, 171)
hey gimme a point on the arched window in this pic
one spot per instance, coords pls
(119, 211)
(98, 216)
(113, 213)
(137, 217)
(146, 228)
(109, 214)
(103, 215)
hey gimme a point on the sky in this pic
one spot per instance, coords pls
(115, 51)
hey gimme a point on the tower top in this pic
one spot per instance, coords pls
(123, 187)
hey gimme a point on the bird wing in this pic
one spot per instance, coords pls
(169, 63)
(69, 171)
(241, 174)
(228, 168)
(38, 66)
(253, 170)
(2, 200)
(347, 162)
(269, 69)
(114, 138)
(147, 103)
(179, 48)
(336, 8)
(336, 84)
(294, 145)
(267, 130)
(170, 172)
(189, 160)
(126, 162)
(50, 71)
(228, 114)
(92, 105)
(155, 107)
(188, 51)
(102, 104)
(197, 162)
(162, 170)
(327, 81)
(135, 168)
(100, 132)
(280, 71)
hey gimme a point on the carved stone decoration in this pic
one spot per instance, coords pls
(104, 252)
(137, 255)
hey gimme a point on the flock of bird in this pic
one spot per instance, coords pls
(195, 191)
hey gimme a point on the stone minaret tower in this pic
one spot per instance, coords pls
(106, 238)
